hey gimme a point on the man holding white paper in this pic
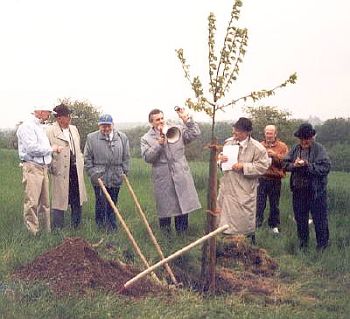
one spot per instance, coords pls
(243, 160)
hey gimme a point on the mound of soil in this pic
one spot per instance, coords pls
(74, 267)
(228, 280)
(252, 259)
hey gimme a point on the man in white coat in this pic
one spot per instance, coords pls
(173, 185)
(238, 186)
(67, 169)
(35, 153)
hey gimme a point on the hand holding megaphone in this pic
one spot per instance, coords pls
(162, 134)
(168, 134)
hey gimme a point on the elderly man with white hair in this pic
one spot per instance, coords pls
(270, 183)
(35, 153)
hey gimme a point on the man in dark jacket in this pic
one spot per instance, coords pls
(309, 165)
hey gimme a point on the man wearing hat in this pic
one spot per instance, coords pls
(238, 186)
(67, 169)
(309, 165)
(107, 156)
(35, 153)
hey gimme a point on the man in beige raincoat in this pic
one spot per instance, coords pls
(67, 169)
(238, 186)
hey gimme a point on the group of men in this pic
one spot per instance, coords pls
(257, 176)
(244, 188)
(54, 151)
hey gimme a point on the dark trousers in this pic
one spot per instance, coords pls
(303, 203)
(104, 213)
(58, 217)
(271, 189)
(181, 223)
(73, 200)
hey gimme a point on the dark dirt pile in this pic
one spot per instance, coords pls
(251, 259)
(74, 267)
(241, 269)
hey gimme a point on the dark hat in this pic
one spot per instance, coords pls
(61, 110)
(105, 119)
(305, 130)
(243, 124)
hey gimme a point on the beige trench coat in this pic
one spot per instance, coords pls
(238, 190)
(59, 170)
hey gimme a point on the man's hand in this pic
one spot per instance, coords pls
(222, 158)
(162, 140)
(237, 167)
(96, 176)
(271, 153)
(183, 115)
(56, 148)
(300, 162)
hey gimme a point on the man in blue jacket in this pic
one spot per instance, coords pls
(309, 165)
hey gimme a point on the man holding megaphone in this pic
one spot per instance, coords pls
(163, 146)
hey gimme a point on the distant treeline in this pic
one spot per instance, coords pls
(334, 134)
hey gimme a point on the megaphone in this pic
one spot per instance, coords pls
(172, 133)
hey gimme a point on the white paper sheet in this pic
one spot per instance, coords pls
(231, 151)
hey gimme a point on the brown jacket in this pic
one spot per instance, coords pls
(275, 170)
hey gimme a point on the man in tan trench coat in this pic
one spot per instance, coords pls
(67, 167)
(238, 186)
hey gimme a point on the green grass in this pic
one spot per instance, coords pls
(315, 285)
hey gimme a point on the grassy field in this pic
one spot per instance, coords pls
(315, 285)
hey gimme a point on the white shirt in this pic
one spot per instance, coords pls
(33, 144)
(68, 137)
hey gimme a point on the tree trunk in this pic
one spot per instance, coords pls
(209, 262)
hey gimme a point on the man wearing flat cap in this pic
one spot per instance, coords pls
(238, 186)
(35, 153)
(67, 169)
(309, 165)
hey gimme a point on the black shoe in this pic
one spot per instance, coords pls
(303, 245)
(252, 239)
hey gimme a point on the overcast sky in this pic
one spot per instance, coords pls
(120, 55)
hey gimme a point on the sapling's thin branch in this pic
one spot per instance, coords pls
(184, 66)
(234, 15)
(258, 95)
(238, 59)
(211, 46)
(220, 61)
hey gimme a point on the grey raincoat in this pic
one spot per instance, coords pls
(173, 184)
(107, 159)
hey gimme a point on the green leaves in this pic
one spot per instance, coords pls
(224, 68)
